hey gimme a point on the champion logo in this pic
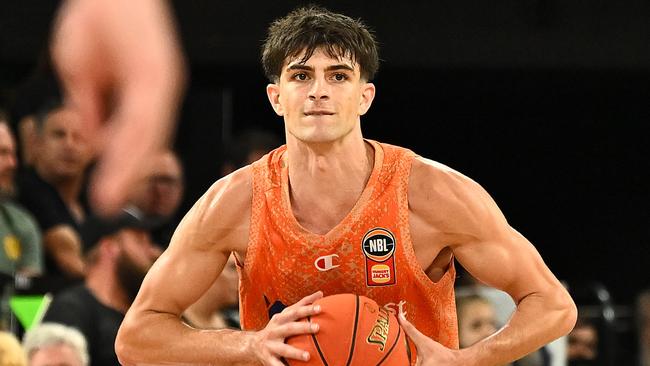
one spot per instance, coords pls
(327, 262)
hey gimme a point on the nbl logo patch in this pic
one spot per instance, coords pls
(379, 248)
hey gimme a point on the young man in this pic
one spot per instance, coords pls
(331, 212)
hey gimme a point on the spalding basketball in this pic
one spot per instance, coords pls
(354, 331)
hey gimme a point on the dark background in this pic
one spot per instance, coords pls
(542, 102)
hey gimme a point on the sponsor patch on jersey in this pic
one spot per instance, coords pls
(379, 248)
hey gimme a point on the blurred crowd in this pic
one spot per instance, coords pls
(92, 267)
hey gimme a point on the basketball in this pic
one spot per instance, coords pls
(354, 331)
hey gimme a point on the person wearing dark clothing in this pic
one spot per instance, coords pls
(119, 254)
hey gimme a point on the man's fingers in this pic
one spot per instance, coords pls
(310, 298)
(416, 336)
(294, 328)
(286, 351)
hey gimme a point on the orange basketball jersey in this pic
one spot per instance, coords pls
(369, 253)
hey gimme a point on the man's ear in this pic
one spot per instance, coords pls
(367, 96)
(273, 93)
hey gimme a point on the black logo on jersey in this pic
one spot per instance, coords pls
(378, 244)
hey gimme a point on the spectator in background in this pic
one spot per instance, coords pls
(583, 344)
(217, 308)
(476, 319)
(53, 189)
(502, 306)
(160, 193)
(29, 97)
(120, 253)
(11, 352)
(51, 344)
(643, 323)
(247, 148)
(21, 252)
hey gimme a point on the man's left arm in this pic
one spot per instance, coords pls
(499, 256)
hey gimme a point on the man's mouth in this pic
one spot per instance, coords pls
(319, 113)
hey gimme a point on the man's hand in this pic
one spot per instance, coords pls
(121, 66)
(430, 352)
(269, 346)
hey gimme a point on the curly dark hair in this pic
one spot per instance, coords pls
(309, 28)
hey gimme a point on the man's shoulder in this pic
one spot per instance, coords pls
(433, 185)
(430, 171)
(19, 215)
(233, 185)
(227, 199)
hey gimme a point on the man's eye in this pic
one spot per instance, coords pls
(340, 77)
(300, 76)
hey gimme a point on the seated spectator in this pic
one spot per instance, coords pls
(11, 352)
(247, 148)
(51, 344)
(217, 308)
(503, 306)
(643, 324)
(476, 319)
(583, 344)
(120, 253)
(21, 252)
(160, 194)
(52, 190)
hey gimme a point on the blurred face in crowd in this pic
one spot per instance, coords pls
(583, 343)
(161, 192)
(225, 290)
(62, 151)
(137, 255)
(476, 321)
(7, 161)
(322, 99)
(55, 355)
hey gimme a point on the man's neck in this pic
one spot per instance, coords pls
(337, 172)
(68, 188)
(324, 166)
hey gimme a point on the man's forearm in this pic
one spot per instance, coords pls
(537, 321)
(162, 339)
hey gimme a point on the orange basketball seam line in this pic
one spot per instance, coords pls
(399, 332)
(354, 332)
(313, 336)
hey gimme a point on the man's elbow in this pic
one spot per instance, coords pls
(124, 344)
(567, 310)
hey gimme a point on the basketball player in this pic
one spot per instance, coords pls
(122, 68)
(331, 212)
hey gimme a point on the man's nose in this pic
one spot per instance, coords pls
(319, 89)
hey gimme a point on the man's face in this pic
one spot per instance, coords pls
(55, 355)
(322, 99)
(137, 256)
(583, 343)
(62, 150)
(161, 192)
(7, 161)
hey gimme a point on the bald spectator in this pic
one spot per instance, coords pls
(160, 194)
(53, 189)
(52, 344)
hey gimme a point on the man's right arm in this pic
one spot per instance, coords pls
(152, 332)
(63, 244)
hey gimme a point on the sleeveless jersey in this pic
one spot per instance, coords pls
(369, 253)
